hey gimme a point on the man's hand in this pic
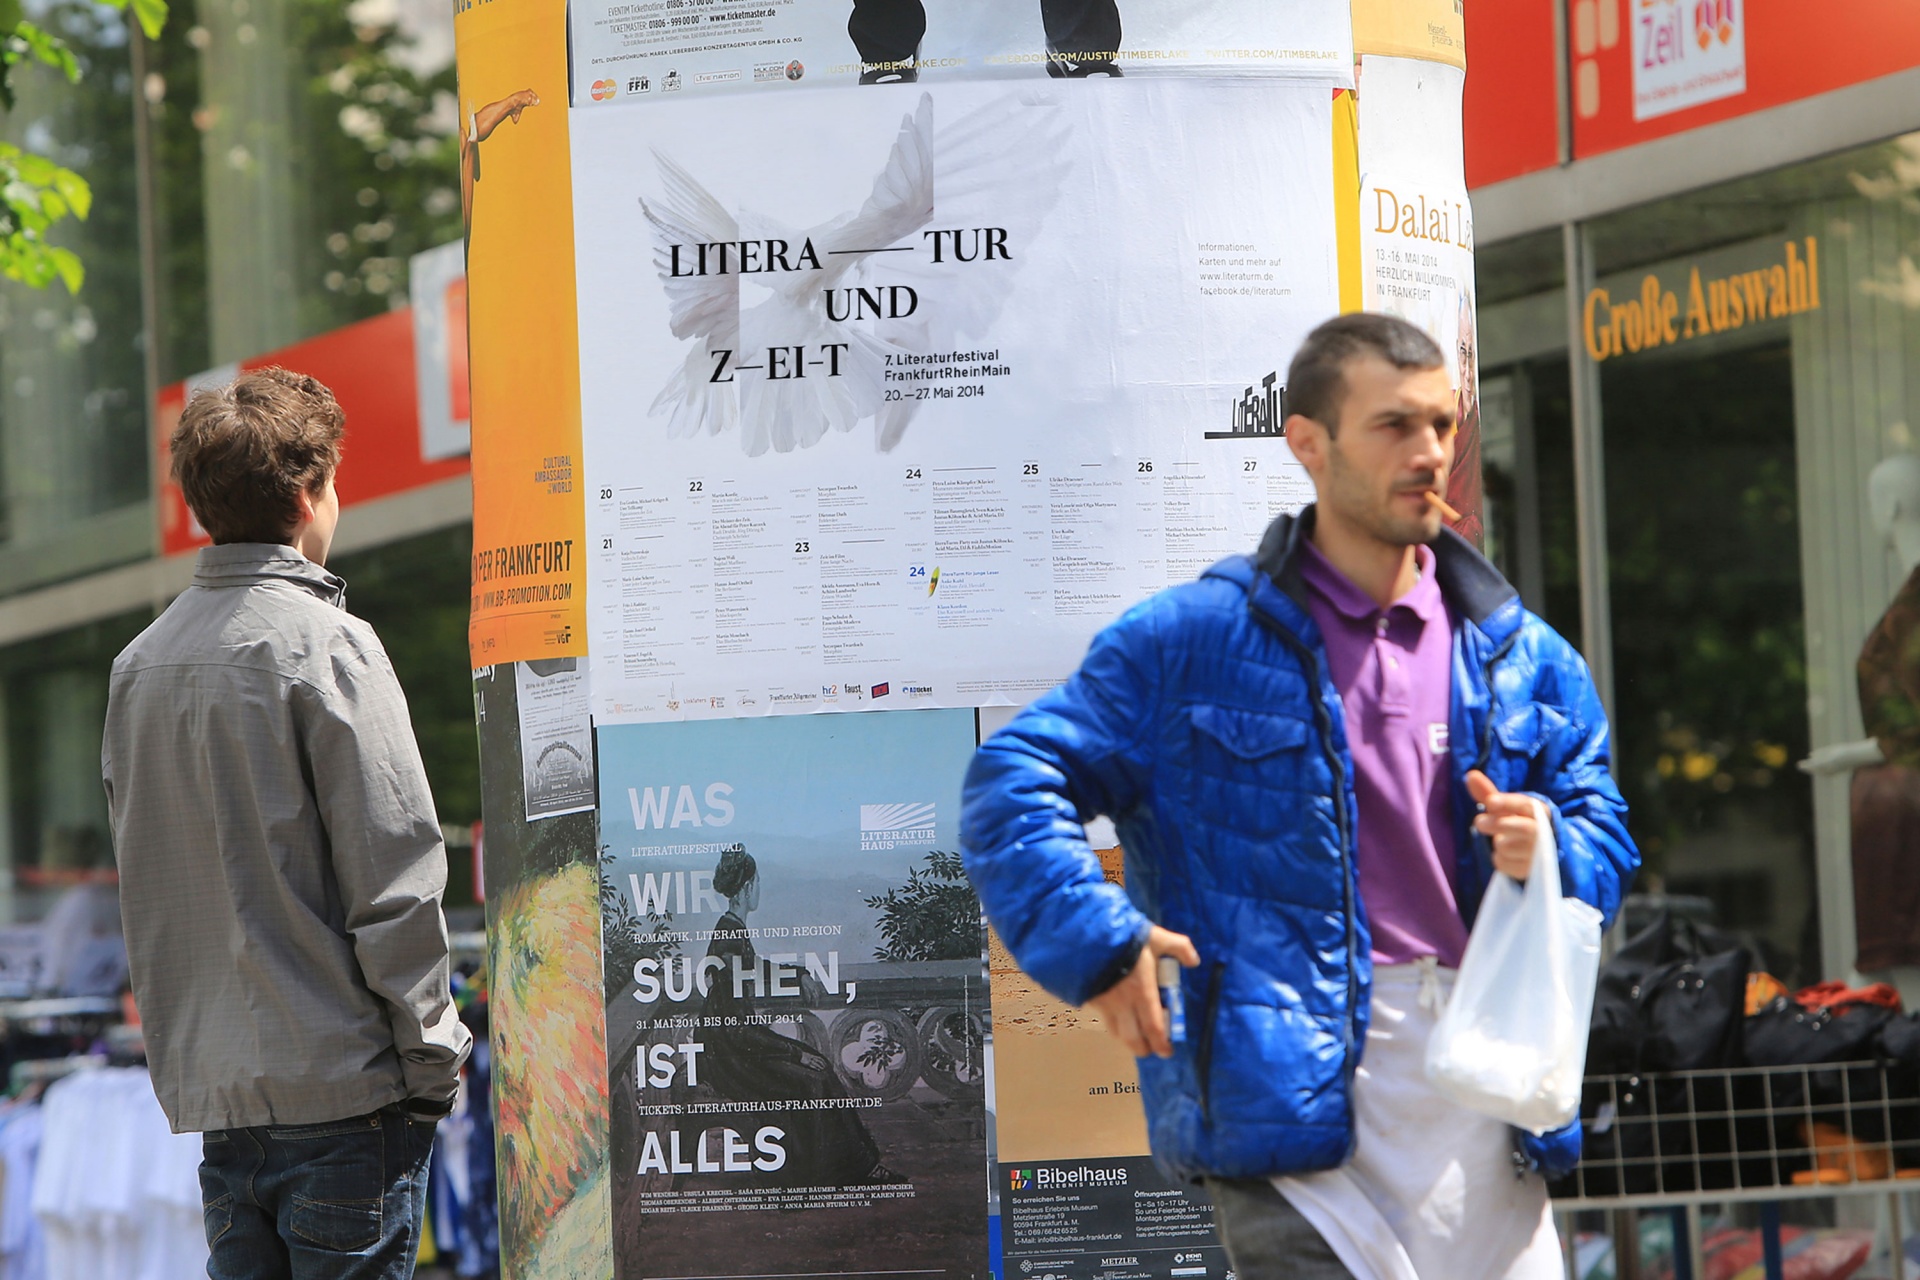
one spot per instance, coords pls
(1131, 1007)
(1508, 820)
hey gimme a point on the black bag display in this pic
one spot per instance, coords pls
(1785, 1035)
(1692, 1013)
(1670, 999)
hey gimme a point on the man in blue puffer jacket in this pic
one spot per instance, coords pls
(1317, 757)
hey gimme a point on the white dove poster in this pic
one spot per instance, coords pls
(904, 419)
(657, 50)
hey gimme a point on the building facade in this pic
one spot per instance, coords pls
(1695, 236)
(1696, 227)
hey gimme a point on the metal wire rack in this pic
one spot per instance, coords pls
(1753, 1132)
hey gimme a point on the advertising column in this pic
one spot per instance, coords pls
(915, 343)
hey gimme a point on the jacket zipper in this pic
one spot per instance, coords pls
(1203, 1052)
(1323, 721)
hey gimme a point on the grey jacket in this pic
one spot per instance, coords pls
(280, 862)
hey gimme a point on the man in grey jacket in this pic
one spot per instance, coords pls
(281, 865)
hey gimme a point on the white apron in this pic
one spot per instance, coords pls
(1430, 1193)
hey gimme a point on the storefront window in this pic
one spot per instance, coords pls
(73, 460)
(1758, 358)
(1526, 425)
(309, 148)
(51, 720)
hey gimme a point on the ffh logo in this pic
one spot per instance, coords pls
(1019, 1179)
(1257, 414)
(639, 84)
(1713, 19)
(604, 89)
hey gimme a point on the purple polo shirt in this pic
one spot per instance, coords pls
(1393, 668)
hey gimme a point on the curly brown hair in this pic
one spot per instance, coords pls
(244, 453)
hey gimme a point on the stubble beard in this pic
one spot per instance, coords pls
(1372, 512)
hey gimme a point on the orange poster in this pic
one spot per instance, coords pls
(529, 551)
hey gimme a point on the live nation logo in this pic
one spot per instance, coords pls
(1259, 412)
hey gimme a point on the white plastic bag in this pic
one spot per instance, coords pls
(1512, 1041)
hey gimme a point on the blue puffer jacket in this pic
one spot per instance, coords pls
(1205, 723)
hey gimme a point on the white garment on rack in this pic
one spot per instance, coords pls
(1430, 1193)
(116, 1191)
(23, 1250)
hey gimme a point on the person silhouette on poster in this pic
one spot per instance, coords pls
(1083, 38)
(754, 1063)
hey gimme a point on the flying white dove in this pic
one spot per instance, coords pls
(1000, 166)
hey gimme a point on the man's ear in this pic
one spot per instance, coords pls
(1308, 440)
(303, 511)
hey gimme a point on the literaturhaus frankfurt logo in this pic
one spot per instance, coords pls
(887, 826)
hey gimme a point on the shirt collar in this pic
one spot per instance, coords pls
(1423, 599)
(239, 564)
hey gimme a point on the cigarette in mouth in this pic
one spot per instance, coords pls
(1439, 504)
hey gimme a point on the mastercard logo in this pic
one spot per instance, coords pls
(604, 89)
(1713, 20)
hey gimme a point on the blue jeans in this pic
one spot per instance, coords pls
(343, 1200)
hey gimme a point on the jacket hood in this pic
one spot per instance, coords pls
(1471, 585)
(245, 564)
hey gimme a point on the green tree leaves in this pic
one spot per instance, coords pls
(36, 194)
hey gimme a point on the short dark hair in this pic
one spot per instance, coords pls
(244, 453)
(1317, 378)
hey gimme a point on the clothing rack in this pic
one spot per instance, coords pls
(47, 1070)
(60, 1007)
(1684, 1140)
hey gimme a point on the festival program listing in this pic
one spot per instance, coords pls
(847, 585)
(1105, 1219)
(846, 450)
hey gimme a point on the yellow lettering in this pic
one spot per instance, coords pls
(1629, 324)
(1776, 291)
(1697, 321)
(1724, 301)
(1813, 274)
(1754, 283)
(1386, 210)
(1599, 344)
(1650, 310)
